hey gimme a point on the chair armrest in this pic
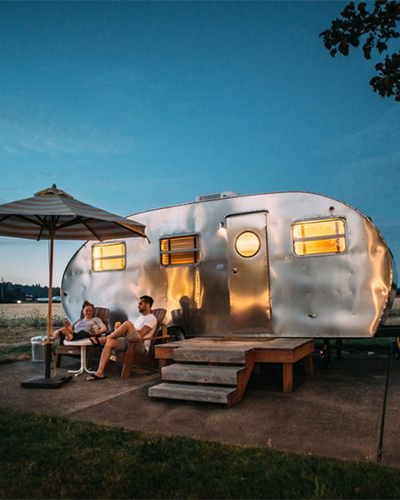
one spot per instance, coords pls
(153, 339)
(160, 338)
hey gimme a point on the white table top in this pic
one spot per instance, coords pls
(78, 342)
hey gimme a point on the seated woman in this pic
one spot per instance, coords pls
(83, 328)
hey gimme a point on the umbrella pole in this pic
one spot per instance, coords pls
(48, 354)
(48, 382)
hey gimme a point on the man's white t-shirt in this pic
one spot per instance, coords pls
(149, 320)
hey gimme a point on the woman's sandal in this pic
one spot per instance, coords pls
(96, 342)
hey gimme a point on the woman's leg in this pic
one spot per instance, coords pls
(64, 331)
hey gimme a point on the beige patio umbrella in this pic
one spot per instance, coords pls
(53, 214)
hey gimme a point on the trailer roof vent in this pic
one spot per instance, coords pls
(216, 196)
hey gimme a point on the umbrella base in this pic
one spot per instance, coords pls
(45, 383)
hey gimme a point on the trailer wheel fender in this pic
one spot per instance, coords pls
(176, 333)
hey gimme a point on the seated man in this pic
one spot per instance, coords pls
(142, 328)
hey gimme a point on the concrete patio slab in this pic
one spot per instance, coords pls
(335, 413)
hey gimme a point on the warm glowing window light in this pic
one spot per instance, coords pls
(319, 237)
(180, 250)
(108, 257)
(247, 244)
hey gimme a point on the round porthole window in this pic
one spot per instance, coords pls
(248, 244)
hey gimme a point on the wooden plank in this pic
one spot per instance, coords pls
(243, 378)
(219, 375)
(275, 356)
(209, 355)
(165, 351)
(291, 343)
(287, 377)
(304, 350)
(188, 392)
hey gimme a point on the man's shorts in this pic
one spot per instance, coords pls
(122, 343)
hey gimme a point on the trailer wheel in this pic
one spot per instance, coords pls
(176, 333)
(339, 348)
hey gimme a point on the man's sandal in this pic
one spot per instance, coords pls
(94, 377)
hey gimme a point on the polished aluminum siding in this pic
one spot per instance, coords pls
(249, 289)
(341, 295)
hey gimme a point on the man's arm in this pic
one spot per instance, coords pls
(144, 331)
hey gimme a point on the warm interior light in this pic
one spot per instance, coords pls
(179, 250)
(109, 264)
(319, 237)
(335, 245)
(108, 257)
(313, 229)
(248, 244)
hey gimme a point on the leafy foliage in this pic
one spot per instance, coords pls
(378, 26)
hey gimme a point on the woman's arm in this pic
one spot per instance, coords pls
(100, 326)
(99, 331)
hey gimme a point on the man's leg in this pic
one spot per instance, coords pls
(105, 355)
(111, 343)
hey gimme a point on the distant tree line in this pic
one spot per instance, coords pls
(9, 292)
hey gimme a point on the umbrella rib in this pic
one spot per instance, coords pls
(79, 219)
(73, 222)
(40, 233)
(43, 222)
(128, 228)
(4, 218)
(91, 230)
(27, 219)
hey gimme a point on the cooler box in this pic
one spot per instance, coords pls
(38, 348)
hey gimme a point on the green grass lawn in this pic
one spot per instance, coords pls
(49, 457)
(9, 354)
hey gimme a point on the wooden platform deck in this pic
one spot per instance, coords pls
(218, 370)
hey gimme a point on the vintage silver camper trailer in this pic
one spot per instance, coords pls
(290, 264)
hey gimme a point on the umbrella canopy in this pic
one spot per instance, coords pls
(53, 214)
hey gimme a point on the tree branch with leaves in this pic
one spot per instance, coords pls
(378, 26)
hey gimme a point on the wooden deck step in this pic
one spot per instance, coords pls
(205, 374)
(208, 394)
(210, 355)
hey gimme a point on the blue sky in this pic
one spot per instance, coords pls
(135, 105)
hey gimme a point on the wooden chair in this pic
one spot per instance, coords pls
(63, 350)
(146, 360)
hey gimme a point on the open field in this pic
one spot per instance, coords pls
(25, 310)
(20, 322)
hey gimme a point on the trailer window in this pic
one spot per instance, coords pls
(108, 257)
(319, 237)
(180, 250)
(248, 244)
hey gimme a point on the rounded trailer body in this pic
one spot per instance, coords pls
(272, 285)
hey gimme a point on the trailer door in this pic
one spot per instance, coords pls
(249, 286)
